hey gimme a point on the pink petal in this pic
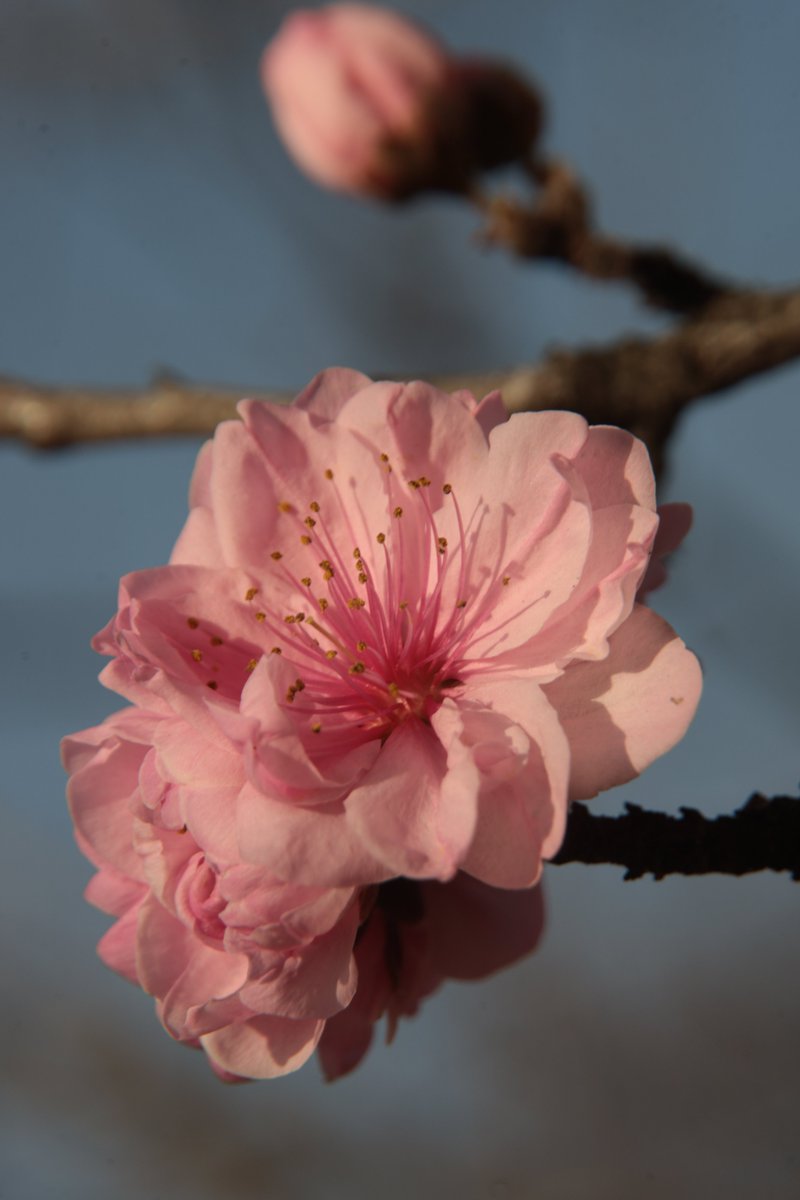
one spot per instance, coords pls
(423, 430)
(198, 543)
(348, 1035)
(622, 537)
(263, 1047)
(328, 391)
(276, 914)
(100, 796)
(299, 449)
(533, 554)
(475, 929)
(187, 975)
(113, 892)
(117, 947)
(406, 819)
(490, 412)
(200, 484)
(318, 847)
(279, 761)
(210, 817)
(511, 735)
(675, 521)
(185, 757)
(242, 498)
(616, 468)
(316, 980)
(622, 713)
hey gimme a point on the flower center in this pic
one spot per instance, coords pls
(383, 634)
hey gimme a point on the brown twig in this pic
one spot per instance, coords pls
(51, 417)
(763, 835)
(558, 225)
(642, 384)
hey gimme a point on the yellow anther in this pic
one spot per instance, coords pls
(361, 646)
(398, 512)
(314, 506)
(250, 593)
(423, 481)
(197, 656)
(447, 488)
(310, 522)
(276, 554)
(251, 666)
(328, 473)
(394, 690)
(362, 578)
(261, 616)
(306, 580)
(381, 538)
(327, 575)
(357, 668)
(323, 603)
(506, 580)
(276, 650)
(316, 727)
(356, 553)
(415, 483)
(305, 540)
(291, 619)
(442, 544)
(356, 602)
(461, 604)
(384, 458)
(299, 686)
(403, 604)
(330, 653)
(285, 507)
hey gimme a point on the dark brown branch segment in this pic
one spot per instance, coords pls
(762, 835)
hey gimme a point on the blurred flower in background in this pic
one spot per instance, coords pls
(368, 102)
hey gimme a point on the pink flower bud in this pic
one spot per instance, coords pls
(371, 104)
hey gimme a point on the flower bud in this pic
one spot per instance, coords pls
(371, 104)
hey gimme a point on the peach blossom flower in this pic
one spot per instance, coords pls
(403, 630)
(368, 102)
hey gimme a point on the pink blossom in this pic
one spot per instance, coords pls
(398, 632)
(349, 85)
(370, 103)
(404, 631)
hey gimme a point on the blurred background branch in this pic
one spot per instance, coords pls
(642, 384)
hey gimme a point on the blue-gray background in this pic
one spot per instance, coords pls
(149, 219)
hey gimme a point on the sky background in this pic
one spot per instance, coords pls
(150, 220)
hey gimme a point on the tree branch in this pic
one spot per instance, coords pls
(557, 225)
(51, 417)
(763, 835)
(641, 384)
